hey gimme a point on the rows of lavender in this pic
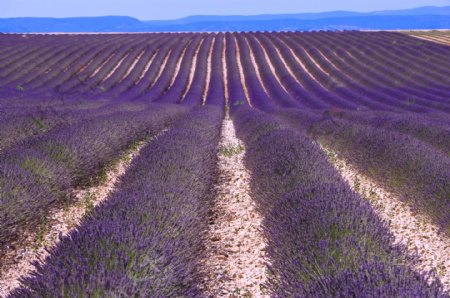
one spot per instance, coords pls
(145, 240)
(323, 239)
(318, 70)
(39, 171)
(71, 105)
(404, 153)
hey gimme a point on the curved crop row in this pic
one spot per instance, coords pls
(285, 71)
(313, 70)
(269, 78)
(256, 90)
(410, 76)
(396, 160)
(337, 83)
(180, 78)
(216, 89)
(169, 71)
(433, 132)
(323, 240)
(139, 71)
(194, 93)
(236, 92)
(39, 172)
(145, 240)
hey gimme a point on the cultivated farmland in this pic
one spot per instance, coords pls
(442, 37)
(255, 164)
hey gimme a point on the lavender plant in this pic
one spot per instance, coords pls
(397, 161)
(323, 239)
(146, 239)
(40, 171)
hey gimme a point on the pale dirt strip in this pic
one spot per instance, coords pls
(225, 73)
(178, 66)
(161, 68)
(241, 72)
(112, 71)
(414, 231)
(101, 66)
(83, 68)
(147, 66)
(130, 69)
(302, 65)
(440, 40)
(234, 263)
(18, 262)
(208, 72)
(271, 66)
(286, 65)
(255, 66)
(192, 69)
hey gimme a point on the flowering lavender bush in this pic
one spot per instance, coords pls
(40, 171)
(397, 161)
(145, 240)
(323, 239)
(432, 131)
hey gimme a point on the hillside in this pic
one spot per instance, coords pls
(419, 18)
(238, 164)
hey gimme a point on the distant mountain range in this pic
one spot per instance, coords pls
(428, 17)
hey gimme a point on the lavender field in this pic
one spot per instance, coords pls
(259, 164)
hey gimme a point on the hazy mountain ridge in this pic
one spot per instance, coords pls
(418, 18)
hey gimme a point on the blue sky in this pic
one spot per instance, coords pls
(170, 9)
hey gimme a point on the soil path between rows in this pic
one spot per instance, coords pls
(234, 262)
(414, 231)
(18, 262)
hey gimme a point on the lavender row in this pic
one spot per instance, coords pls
(338, 82)
(23, 120)
(274, 88)
(57, 82)
(90, 82)
(15, 129)
(430, 131)
(236, 94)
(320, 95)
(56, 69)
(179, 81)
(58, 64)
(398, 161)
(432, 53)
(25, 46)
(298, 91)
(216, 89)
(323, 239)
(347, 70)
(390, 54)
(39, 65)
(333, 96)
(196, 92)
(39, 172)
(344, 77)
(163, 83)
(134, 77)
(380, 96)
(79, 77)
(68, 42)
(155, 71)
(257, 95)
(145, 240)
(375, 66)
